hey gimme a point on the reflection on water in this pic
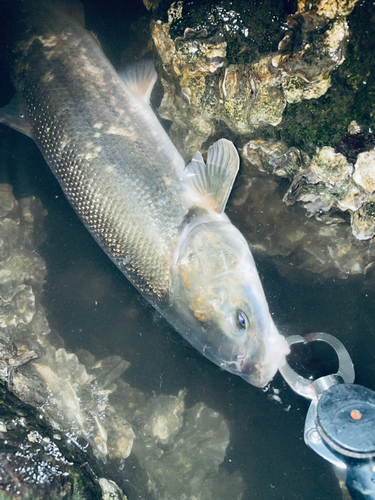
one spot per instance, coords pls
(93, 307)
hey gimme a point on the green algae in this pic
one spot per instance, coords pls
(251, 28)
(324, 121)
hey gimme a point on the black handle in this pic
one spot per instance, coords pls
(360, 480)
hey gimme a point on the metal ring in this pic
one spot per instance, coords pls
(303, 386)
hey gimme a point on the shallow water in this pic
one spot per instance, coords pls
(92, 306)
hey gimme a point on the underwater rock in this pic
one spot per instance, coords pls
(325, 250)
(196, 447)
(364, 174)
(179, 449)
(363, 221)
(329, 167)
(151, 4)
(202, 88)
(85, 401)
(162, 419)
(7, 200)
(36, 463)
(312, 48)
(331, 184)
(74, 402)
(191, 63)
(275, 157)
(110, 490)
(49, 378)
(324, 185)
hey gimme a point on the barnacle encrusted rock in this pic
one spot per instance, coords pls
(202, 88)
(328, 8)
(110, 490)
(363, 220)
(330, 167)
(330, 249)
(364, 174)
(328, 184)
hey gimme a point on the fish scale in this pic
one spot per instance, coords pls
(125, 204)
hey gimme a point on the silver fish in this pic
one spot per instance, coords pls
(161, 222)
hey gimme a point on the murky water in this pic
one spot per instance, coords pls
(92, 306)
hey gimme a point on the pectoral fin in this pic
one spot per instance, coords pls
(214, 181)
(13, 116)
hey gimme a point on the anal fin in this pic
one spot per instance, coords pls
(213, 181)
(12, 115)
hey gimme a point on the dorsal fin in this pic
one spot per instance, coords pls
(73, 8)
(214, 181)
(140, 78)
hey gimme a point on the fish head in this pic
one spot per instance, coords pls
(218, 293)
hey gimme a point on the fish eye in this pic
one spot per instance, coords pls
(237, 323)
(241, 319)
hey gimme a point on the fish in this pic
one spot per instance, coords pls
(162, 222)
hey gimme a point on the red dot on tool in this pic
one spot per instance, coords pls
(356, 415)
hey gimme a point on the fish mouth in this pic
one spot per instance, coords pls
(256, 374)
(251, 372)
(260, 367)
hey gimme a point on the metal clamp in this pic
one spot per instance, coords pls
(312, 389)
(340, 422)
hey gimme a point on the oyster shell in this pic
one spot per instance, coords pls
(201, 88)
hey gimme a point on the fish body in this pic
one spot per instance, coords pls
(162, 224)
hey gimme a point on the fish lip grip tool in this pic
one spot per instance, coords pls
(340, 422)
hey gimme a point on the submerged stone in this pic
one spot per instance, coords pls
(322, 244)
(192, 457)
(110, 490)
(330, 167)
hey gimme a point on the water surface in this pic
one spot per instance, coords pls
(92, 305)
